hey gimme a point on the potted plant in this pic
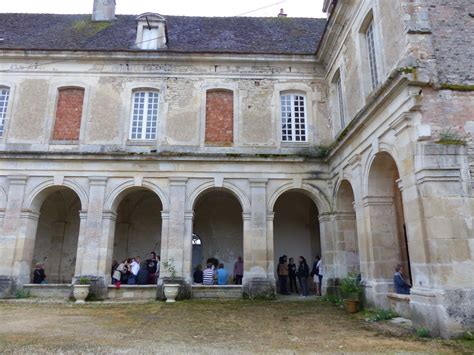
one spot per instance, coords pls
(351, 289)
(171, 288)
(81, 289)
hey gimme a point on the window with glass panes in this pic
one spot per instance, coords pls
(4, 95)
(144, 115)
(293, 118)
(369, 37)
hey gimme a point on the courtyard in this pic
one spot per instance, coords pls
(289, 326)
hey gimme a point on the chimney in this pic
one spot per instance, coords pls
(282, 13)
(104, 10)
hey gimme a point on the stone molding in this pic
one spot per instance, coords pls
(344, 216)
(377, 201)
(438, 175)
(26, 214)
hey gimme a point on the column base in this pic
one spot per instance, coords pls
(7, 286)
(184, 291)
(258, 288)
(446, 313)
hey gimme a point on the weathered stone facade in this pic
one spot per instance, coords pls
(378, 167)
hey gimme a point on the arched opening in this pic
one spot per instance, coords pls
(296, 229)
(389, 239)
(57, 234)
(346, 241)
(138, 225)
(218, 223)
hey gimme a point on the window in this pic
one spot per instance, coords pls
(67, 125)
(340, 101)
(144, 115)
(4, 96)
(149, 38)
(369, 38)
(219, 117)
(293, 118)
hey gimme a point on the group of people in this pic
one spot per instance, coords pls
(133, 271)
(215, 274)
(288, 272)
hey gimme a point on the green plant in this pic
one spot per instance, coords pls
(467, 336)
(450, 137)
(423, 332)
(84, 280)
(21, 293)
(332, 299)
(169, 266)
(378, 315)
(350, 286)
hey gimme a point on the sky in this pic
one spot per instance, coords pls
(294, 8)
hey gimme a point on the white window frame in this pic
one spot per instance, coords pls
(147, 129)
(372, 54)
(4, 100)
(293, 110)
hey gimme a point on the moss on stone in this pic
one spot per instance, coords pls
(90, 28)
(457, 87)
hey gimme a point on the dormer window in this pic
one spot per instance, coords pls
(151, 31)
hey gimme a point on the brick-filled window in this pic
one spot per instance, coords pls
(144, 115)
(371, 53)
(4, 96)
(67, 125)
(219, 117)
(293, 118)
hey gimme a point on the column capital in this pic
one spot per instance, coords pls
(83, 214)
(17, 179)
(165, 215)
(246, 216)
(97, 180)
(344, 216)
(110, 215)
(28, 214)
(325, 217)
(189, 215)
(270, 216)
(377, 201)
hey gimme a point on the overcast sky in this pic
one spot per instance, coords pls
(294, 8)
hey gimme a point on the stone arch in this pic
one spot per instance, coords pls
(36, 197)
(114, 198)
(226, 186)
(313, 192)
(383, 148)
(341, 204)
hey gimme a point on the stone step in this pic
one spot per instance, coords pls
(216, 292)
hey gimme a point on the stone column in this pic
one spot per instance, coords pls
(15, 238)
(176, 234)
(270, 250)
(328, 252)
(92, 244)
(256, 282)
(109, 222)
(188, 247)
(346, 246)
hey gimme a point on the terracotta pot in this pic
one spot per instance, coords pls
(352, 306)
(80, 293)
(171, 291)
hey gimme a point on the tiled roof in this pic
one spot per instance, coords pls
(253, 35)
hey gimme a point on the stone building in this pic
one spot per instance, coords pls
(349, 137)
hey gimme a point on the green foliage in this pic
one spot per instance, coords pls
(377, 315)
(21, 293)
(321, 151)
(469, 336)
(84, 281)
(450, 137)
(169, 266)
(350, 286)
(407, 70)
(332, 299)
(423, 332)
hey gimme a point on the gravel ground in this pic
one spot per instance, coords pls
(211, 327)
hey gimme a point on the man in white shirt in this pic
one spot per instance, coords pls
(134, 267)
